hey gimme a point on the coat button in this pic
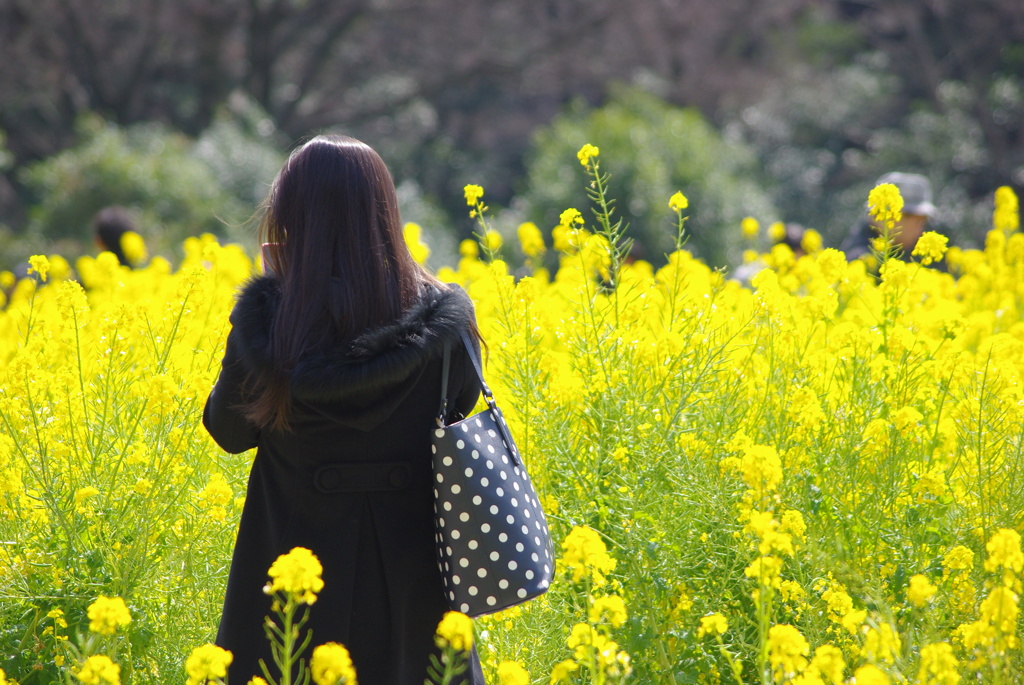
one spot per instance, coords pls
(328, 480)
(399, 477)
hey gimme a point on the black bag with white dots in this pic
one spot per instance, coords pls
(493, 545)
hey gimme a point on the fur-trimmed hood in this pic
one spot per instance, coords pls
(359, 382)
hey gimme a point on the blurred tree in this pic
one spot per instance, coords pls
(651, 149)
(169, 180)
(915, 96)
(425, 78)
(979, 45)
(812, 136)
(451, 91)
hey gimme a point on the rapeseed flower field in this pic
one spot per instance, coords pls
(816, 479)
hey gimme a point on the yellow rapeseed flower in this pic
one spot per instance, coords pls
(886, 205)
(1006, 215)
(882, 643)
(907, 420)
(715, 624)
(585, 551)
(107, 614)
(563, 670)
(833, 265)
(787, 650)
(793, 522)
(811, 242)
(750, 227)
(512, 673)
(586, 153)
(297, 574)
(1004, 551)
(854, 619)
(98, 669)
(59, 268)
(1000, 610)
(976, 634)
(566, 236)
(930, 247)
(58, 617)
(570, 217)
(958, 558)
(492, 240)
(931, 482)
(39, 264)
(207, 664)
(766, 528)
(469, 249)
(611, 608)
(938, 665)
(920, 591)
(765, 570)
(761, 468)
(597, 254)
(582, 636)
(829, 663)
(133, 247)
(413, 233)
(216, 496)
(456, 631)
(331, 664)
(871, 675)
(678, 202)
(781, 258)
(531, 239)
(473, 194)
(83, 494)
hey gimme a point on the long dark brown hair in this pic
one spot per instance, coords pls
(342, 260)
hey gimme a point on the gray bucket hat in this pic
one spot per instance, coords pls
(915, 190)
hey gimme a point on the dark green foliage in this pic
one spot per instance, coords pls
(651, 149)
(827, 137)
(176, 186)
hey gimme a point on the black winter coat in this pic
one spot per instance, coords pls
(351, 482)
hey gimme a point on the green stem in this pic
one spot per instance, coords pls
(288, 658)
(31, 311)
(734, 666)
(763, 620)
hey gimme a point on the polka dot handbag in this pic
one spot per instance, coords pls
(493, 544)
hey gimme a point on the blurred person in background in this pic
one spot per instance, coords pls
(790, 234)
(115, 231)
(916, 192)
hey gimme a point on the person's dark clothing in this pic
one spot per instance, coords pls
(351, 482)
(857, 242)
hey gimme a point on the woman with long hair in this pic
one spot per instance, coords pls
(332, 371)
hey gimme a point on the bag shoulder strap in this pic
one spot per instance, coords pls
(499, 420)
(442, 414)
(468, 344)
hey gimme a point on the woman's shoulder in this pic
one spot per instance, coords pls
(440, 313)
(386, 357)
(257, 297)
(251, 317)
(447, 296)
